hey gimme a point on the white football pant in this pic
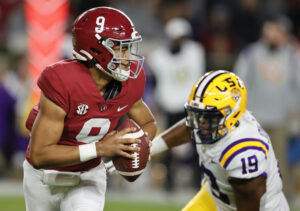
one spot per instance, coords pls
(88, 195)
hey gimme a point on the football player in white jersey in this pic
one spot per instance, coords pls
(235, 154)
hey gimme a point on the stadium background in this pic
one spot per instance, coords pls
(35, 33)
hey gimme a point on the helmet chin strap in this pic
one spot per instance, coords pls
(120, 75)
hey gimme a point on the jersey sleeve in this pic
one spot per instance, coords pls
(53, 88)
(245, 159)
(32, 116)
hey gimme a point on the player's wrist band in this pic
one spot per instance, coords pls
(87, 151)
(158, 145)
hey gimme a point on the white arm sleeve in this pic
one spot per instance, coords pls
(158, 145)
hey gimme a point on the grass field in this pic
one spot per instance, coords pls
(17, 204)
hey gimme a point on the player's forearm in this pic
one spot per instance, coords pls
(150, 128)
(172, 137)
(54, 156)
(176, 135)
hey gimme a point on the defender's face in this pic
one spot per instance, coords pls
(204, 123)
(207, 125)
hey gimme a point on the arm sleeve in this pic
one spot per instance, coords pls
(32, 116)
(53, 88)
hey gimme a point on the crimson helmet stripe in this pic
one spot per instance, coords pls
(205, 82)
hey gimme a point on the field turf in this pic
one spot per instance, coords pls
(17, 204)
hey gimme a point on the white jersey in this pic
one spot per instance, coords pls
(176, 73)
(246, 152)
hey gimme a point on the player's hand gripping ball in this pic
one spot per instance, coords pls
(131, 169)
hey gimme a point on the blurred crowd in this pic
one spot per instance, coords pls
(182, 39)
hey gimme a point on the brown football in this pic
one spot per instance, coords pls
(131, 169)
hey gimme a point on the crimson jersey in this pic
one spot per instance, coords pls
(89, 118)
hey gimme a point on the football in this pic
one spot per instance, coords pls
(131, 169)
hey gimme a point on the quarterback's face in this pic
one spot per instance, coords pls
(122, 53)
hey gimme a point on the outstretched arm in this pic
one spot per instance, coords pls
(174, 136)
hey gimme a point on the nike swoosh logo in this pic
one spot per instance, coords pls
(121, 108)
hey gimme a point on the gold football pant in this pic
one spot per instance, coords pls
(202, 201)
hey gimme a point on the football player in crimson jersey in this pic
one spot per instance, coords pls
(81, 102)
(235, 153)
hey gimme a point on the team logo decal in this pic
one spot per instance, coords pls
(82, 109)
(121, 108)
(103, 108)
(235, 94)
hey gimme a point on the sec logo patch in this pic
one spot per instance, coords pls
(82, 109)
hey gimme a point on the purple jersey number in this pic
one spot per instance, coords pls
(249, 164)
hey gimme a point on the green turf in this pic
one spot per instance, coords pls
(16, 203)
(138, 206)
(12, 203)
